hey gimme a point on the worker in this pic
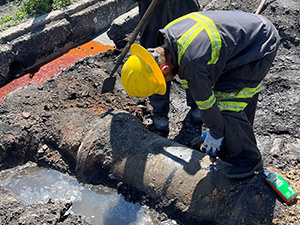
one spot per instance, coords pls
(222, 57)
(164, 12)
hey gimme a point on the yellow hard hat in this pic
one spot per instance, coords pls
(141, 75)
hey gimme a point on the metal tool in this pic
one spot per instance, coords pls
(261, 5)
(109, 83)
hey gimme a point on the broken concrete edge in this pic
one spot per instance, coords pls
(43, 38)
(122, 26)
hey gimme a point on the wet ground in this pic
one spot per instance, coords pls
(32, 184)
(277, 119)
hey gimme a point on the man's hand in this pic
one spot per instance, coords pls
(211, 144)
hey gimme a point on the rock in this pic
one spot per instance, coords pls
(25, 115)
(122, 27)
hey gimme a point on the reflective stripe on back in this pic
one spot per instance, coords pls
(213, 33)
(202, 22)
(186, 39)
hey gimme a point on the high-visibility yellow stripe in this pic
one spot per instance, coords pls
(231, 106)
(207, 104)
(202, 22)
(175, 21)
(191, 34)
(249, 92)
(213, 34)
(243, 93)
(185, 83)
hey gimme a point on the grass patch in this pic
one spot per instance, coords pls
(227, 6)
(24, 9)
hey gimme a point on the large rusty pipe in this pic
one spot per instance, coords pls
(176, 177)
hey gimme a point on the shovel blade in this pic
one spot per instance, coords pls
(108, 85)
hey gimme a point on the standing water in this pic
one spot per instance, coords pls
(98, 204)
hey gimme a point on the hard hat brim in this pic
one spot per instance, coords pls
(139, 50)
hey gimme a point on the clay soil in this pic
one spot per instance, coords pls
(78, 89)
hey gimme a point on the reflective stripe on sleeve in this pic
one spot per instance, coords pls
(207, 104)
(185, 83)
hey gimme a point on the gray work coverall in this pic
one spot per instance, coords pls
(164, 12)
(222, 57)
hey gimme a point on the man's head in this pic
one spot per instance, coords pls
(145, 73)
(164, 61)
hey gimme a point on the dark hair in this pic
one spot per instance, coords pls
(161, 55)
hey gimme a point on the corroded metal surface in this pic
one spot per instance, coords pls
(176, 177)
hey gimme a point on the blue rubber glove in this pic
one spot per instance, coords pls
(211, 144)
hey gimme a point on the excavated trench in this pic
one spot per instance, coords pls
(66, 124)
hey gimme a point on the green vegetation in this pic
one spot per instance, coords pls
(227, 6)
(29, 8)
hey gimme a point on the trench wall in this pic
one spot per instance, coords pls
(43, 38)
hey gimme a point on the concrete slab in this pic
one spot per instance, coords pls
(103, 38)
(48, 36)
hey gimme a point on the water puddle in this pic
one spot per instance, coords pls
(98, 204)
